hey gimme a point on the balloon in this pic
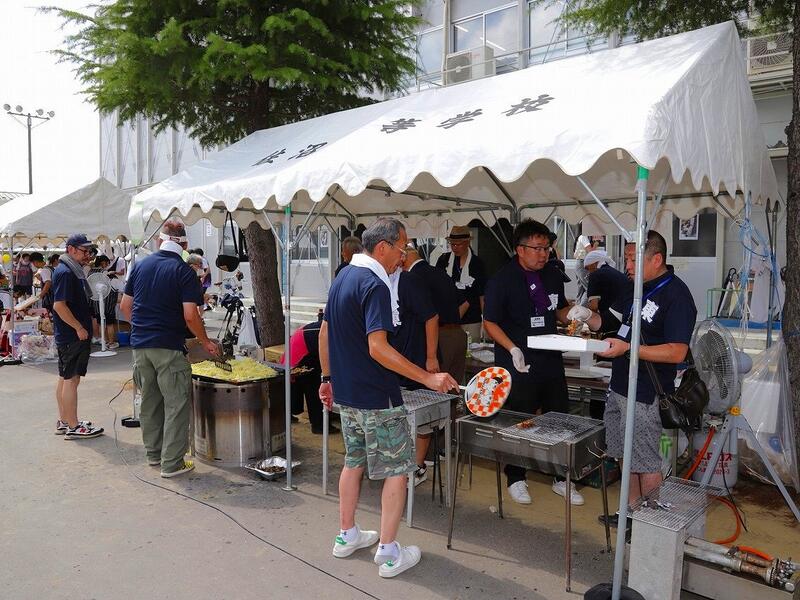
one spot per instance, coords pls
(6, 258)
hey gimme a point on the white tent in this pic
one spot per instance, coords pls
(509, 145)
(556, 137)
(100, 210)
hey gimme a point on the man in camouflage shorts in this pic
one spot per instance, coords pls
(360, 364)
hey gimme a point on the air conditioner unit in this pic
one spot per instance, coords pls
(770, 52)
(469, 64)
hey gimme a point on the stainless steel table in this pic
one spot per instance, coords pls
(424, 407)
(570, 446)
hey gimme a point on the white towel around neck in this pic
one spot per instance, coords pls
(392, 281)
(465, 280)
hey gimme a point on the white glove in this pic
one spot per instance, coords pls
(579, 313)
(518, 358)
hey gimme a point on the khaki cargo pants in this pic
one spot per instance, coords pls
(164, 379)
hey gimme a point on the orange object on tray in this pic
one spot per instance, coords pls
(487, 391)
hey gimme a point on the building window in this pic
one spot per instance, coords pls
(497, 29)
(429, 54)
(550, 41)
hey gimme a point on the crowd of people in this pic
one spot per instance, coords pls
(391, 320)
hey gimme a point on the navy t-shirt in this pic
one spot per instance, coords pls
(409, 337)
(359, 304)
(668, 317)
(159, 285)
(511, 305)
(472, 293)
(607, 284)
(68, 288)
(445, 295)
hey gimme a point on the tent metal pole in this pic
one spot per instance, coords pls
(11, 283)
(625, 233)
(287, 332)
(657, 202)
(499, 185)
(272, 226)
(633, 372)
(500, 228)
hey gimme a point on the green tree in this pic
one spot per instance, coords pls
(647, 19)
(226, 68)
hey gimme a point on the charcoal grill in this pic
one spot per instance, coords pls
(570, 446)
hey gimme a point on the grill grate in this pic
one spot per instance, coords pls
(675, 504)
(414, 399)
(553, 428)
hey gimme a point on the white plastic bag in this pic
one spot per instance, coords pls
(766, 404)
(37, 349)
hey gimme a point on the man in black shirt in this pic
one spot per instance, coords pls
(605, 286)
(468, 272)
(526, 298)
(450, 305)
(350, 245)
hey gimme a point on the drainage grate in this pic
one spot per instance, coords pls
(675, 504)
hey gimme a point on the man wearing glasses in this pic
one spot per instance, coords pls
(72, 324)
(526, 297)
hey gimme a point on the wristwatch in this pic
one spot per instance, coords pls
(325, 379)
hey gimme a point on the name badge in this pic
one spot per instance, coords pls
(623, 332)
(537, 321)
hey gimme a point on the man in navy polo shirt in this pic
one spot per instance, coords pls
(72, 322)
(161, 299)
(359, 370)
(524, 298)
(668, 318)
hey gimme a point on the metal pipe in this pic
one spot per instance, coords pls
(287, 324)
(625, 233)
(773, 277)
(633, 372)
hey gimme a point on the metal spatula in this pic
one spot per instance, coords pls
(223, 364)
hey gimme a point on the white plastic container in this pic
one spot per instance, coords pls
(728, 459)
(566, 343)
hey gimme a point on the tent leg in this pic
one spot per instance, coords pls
(287, 332)
(636, 325)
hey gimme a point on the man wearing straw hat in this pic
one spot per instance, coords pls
(468, 272)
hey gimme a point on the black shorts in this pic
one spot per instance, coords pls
(23, 289)
(73, 358)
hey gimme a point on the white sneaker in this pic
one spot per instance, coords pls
(560, 488)
(365, 539)
(96, 341)
(409, 556)
(519, 492)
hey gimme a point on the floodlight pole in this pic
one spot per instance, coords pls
(633, 372)
(18, 112)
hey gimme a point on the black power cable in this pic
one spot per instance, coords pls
(222, 512)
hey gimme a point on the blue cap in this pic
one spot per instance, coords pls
(78, 240)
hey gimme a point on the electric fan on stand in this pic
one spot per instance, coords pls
(721, 366)
(100, 284)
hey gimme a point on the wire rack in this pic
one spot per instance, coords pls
(675, 504)
(553, 428)
(414, 399)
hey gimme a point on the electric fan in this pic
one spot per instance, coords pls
(100, 284)
(721, 366)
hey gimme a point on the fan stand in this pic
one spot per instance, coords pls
(734, 423)
(104, 352)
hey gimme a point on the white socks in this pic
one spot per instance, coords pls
(349, 535)
(390, 551)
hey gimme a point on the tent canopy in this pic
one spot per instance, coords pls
(100, 210)
(510, 145)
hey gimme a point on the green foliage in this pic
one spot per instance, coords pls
(647, 19)
(225, 68)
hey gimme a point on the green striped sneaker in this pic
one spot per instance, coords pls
(365, 539)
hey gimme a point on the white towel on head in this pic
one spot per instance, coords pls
(367, 262)
(598, 257)
(464, 280)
